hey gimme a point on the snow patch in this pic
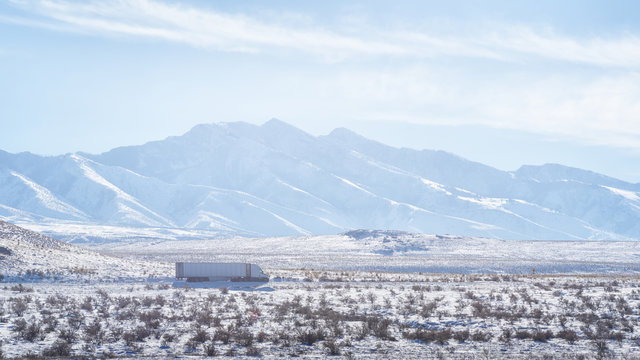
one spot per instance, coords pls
(630, 195)
(434, 185)
(489, 203)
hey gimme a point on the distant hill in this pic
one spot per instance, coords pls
(238, 179)
(32, 256)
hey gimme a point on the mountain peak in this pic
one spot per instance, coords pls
(343, 133)
(275, 122)
(281, 129)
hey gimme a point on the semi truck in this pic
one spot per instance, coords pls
(206, 271)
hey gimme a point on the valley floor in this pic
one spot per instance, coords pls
(319, 313)
(397, 253)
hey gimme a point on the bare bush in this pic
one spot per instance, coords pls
(19, 306)
(210, 349)
(461, 336)
(542, 335)
(200, 336)
(567, 334)
(60, 348)
(309, 337)
(332, 347)
(523, 334)
(481, 336)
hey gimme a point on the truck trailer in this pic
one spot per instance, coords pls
(199, 272)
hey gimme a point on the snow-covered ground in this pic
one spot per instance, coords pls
(398, 251)
(318, 313)
(328, 296)
(29, 256)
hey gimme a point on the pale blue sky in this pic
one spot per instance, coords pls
(501, 82)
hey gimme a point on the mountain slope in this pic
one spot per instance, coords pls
(24, 253)
(242, 179)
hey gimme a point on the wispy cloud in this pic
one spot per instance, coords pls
(622, 51)
(599, 110)
(221, 31)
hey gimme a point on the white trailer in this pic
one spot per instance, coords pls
(195, 272)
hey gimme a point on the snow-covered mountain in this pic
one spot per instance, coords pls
(240, 179)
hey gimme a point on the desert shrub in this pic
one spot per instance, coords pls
(168, 338)
(380, 328)
(75, 320)
(283, 338)
(479, 309)
(537, 313)
(309, 337)
(200, 336)
(142, 333)
(478, 335)
(442, 337)
(243, 338)
(470, 295)
(210, 349)
(19, 325)
(125, 315)
(21, 288)
(81, 270)
(19, 306)
(67, 335)
(160, 300)
(542, 335)
(253, 351)
(59, 348)
(427, 336)
(32, 332)
(428, 309)
(151, 318)
(616, 335)
(204, 318)
(261, 336)
(138, 334)
(523, 334)
(147, 301)
(567, 334)
(115, 333)
(332, 346)
(461, 336)
(87, 304)
(129, 338)
(123, 301)
(93, 332)
(51, 323)
(506, 335)
(58, 300)
(601, 348)
(222, 335)
(103, 294)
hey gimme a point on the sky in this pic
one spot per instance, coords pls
(505, 83)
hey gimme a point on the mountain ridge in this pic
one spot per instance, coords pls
(274, 179)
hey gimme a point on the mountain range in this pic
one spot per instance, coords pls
(239, 179)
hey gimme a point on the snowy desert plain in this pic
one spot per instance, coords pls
(361, 294)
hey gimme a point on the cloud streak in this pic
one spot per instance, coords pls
(209, 29)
